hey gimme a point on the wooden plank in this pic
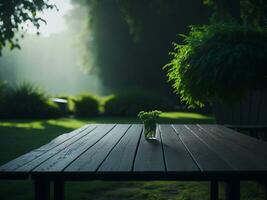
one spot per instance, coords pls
(36, 162)
(122, 156)
(258, 147)
(177, 158)
(217, 112)
(59, 193)
(262, 110)
(42, 189)
(250, 143)
(214, 190)
(62, 138)
(255, 106)
(28, 157)
(246, 108)
(233, 190)
(149, 156)
(228, 113)
(62, 159)
(234, 135)
(239, 159)
(205, 157)
(236, 114)
(91, 159)
(248, 127)
(248, 157)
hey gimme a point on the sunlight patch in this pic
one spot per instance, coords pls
(25, 125)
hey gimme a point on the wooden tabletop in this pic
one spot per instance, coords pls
(120, 151)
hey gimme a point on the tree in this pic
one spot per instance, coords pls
(225, 8)
(253, 12)
(15, 14)
(132, 39)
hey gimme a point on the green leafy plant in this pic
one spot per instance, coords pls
(219, 61)
(15, 16)
(149, 120)
(130, 102)
(86, 105)
(25, 100)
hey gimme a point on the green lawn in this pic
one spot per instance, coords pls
(20, 136)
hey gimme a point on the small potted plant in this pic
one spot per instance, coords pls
(223, 64)
(149, 120)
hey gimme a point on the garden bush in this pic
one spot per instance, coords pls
(86, 105)
(219, 61)
(2, 95)
(131, 102)
(66, 108)
(52, 110)
(26, 101)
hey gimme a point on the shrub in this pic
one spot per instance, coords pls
(131, 102)
(52, 109)
(71, 103)
(3, 87)
(27, 101)
(86, 105)
(65, 107)
(219, 61)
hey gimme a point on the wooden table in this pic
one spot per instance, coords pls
(120, 152)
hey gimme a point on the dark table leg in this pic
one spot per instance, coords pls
(265, 189)
(58, 190)
(42, 189)
(233, 190)
(214, 190)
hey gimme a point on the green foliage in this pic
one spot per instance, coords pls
(67, 108)
(130, 102)
(26, 101)
(51, 110)
(3, 86)
(150, 116)
(149, 120)
(252, 12)
(222, 61)
(132, 38)
(86, 105)
(13, 17)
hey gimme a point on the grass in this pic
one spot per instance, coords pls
(20, 136)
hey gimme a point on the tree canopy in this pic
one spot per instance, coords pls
(253, 12)
(14, 16)
(132, 39)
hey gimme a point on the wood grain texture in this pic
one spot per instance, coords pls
(38, 161)
(262, 110)
(205, 157)
(239, 138)
(91, 159)
(58, 140)
(177, 158)
(122, 156)
(29, 157)
(62, 159)
(238, 158)
(111, 152)
(254, 150)
(149, 157)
